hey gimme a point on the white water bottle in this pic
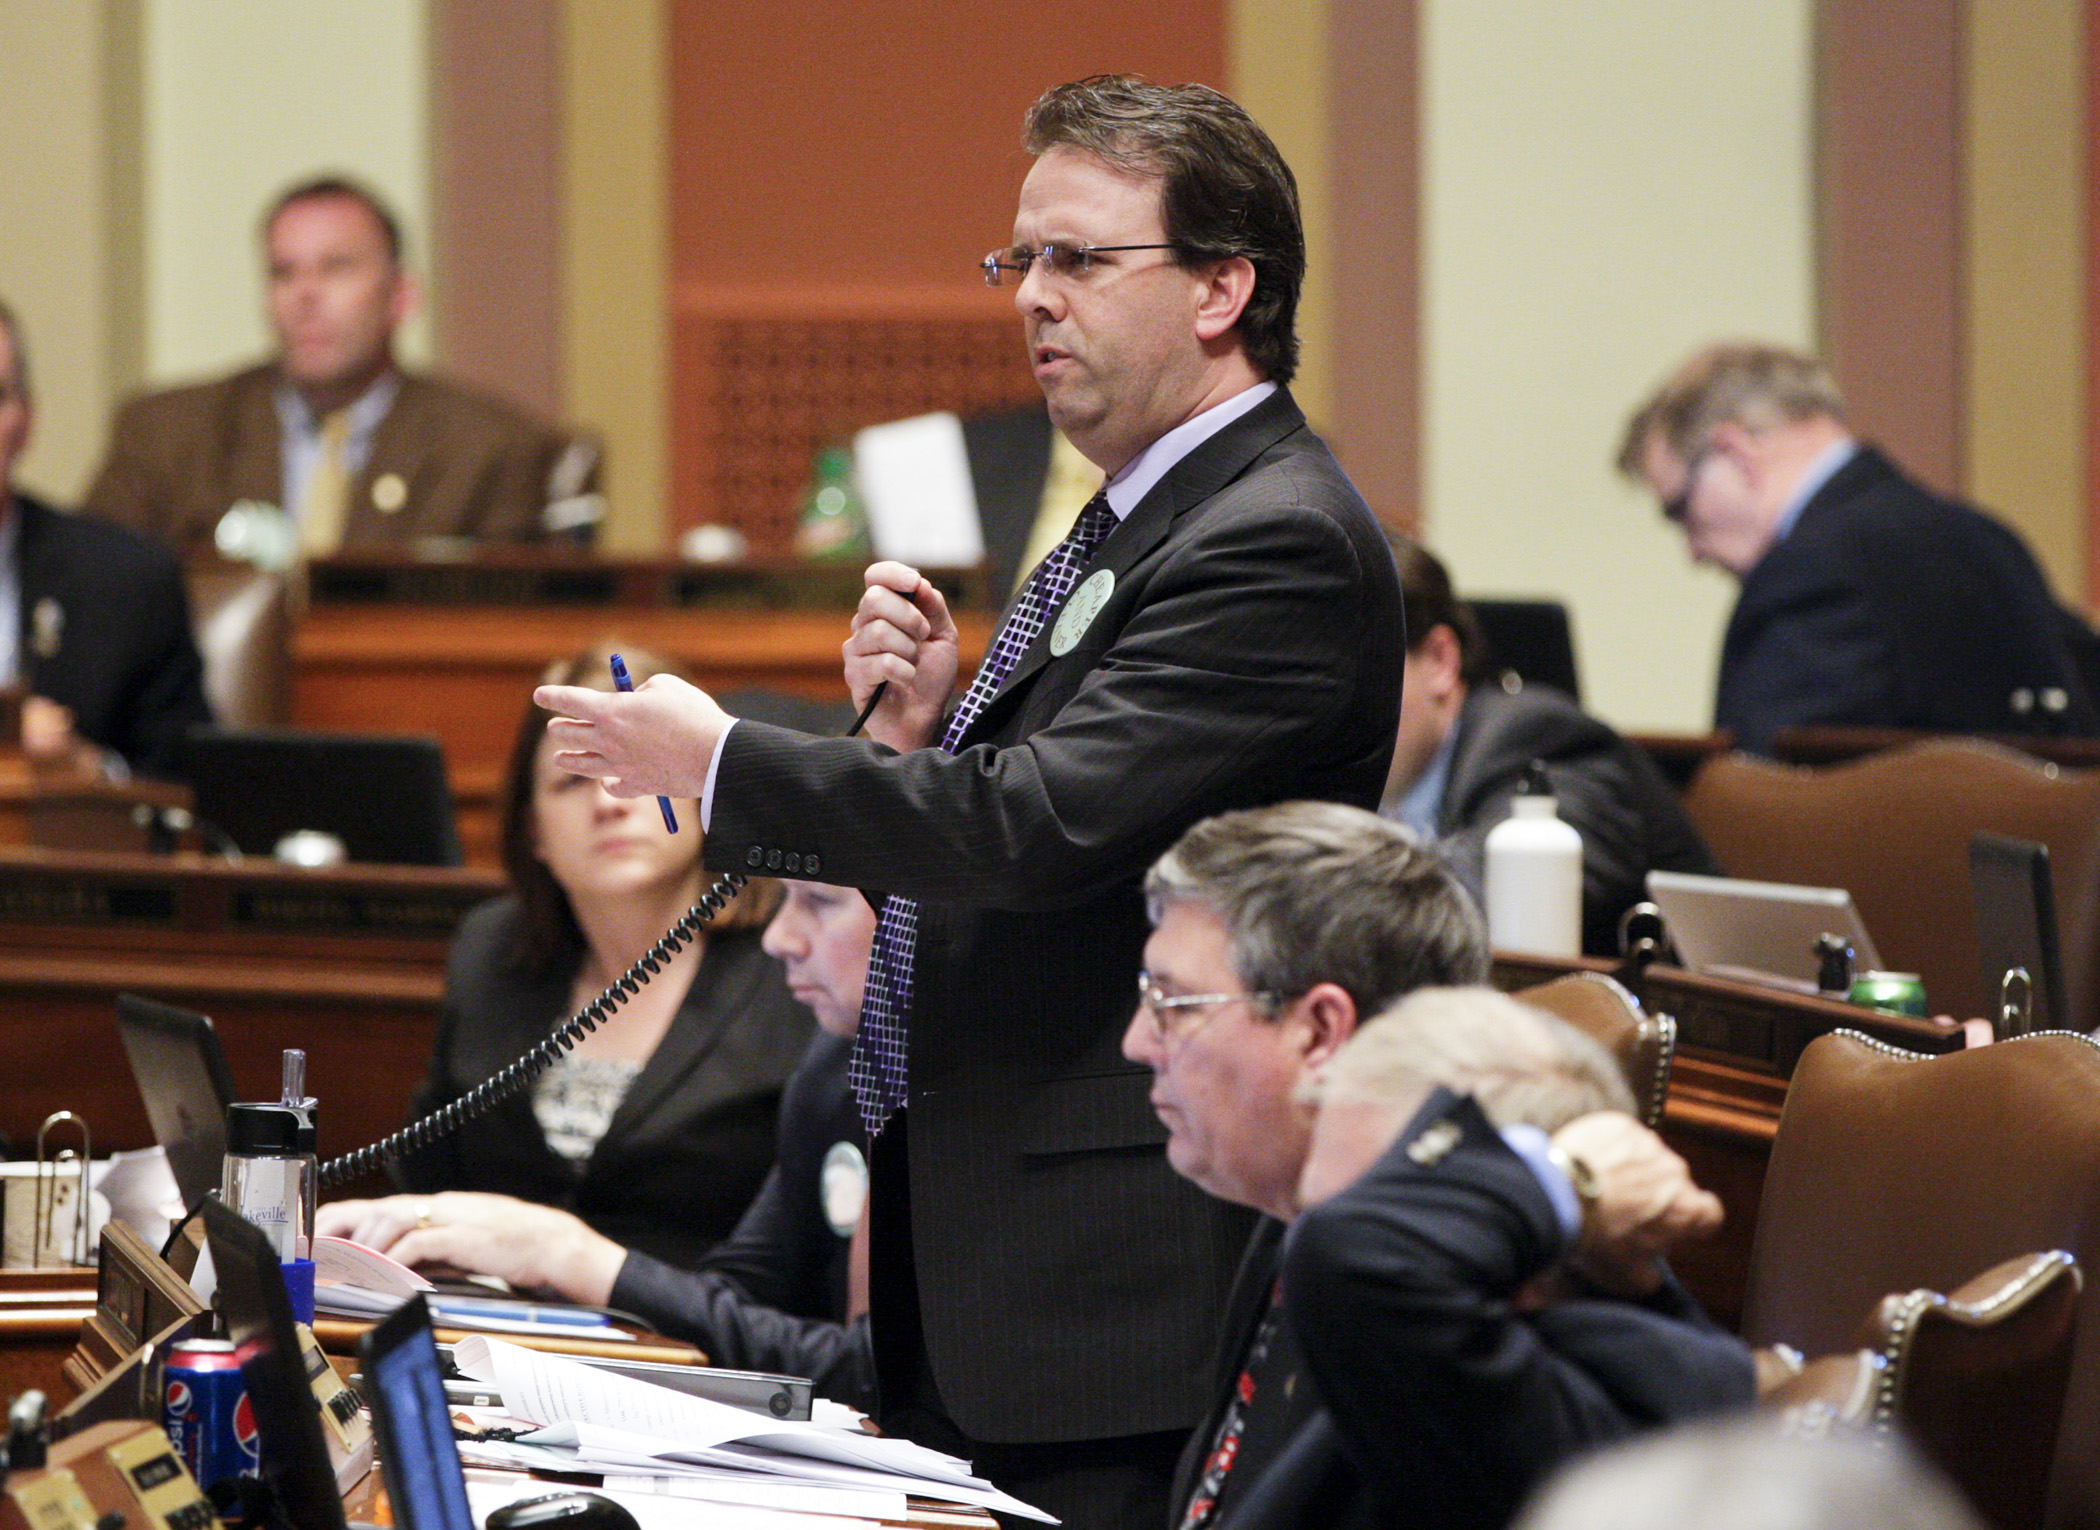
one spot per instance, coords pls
(1534, 875)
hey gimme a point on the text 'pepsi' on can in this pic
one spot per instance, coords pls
(206, 1413)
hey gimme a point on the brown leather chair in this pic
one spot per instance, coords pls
(1894, 830)
(1891, 1172)
(1975, 1379)
(1602, 1009)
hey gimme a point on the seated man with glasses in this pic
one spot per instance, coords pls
(1276, 932)
(1866, 598)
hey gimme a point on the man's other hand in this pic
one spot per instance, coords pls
(655, 742)
(1644, 1204)
(902, 635)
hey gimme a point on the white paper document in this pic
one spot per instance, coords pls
(914, 477)
(616, 1424)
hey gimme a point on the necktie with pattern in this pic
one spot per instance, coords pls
(877, 1068)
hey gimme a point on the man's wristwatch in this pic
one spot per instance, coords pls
(1579, 1173)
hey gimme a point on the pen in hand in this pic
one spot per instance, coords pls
(622, 681)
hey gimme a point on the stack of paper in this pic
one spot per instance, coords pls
(594, 1421)
(351, 1280)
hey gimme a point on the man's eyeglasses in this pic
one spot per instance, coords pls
(1057, 259)
(1170, 1013)
(1678, 507)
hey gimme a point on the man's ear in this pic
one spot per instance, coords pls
(1444, 658)
(407, 298)
(1226, 287)
(1329, 1018)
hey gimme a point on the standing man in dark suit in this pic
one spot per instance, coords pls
(1279, 933)
(1044, 1287)
(94, 622)
(1466, 737)
(352, 447)
(1866, 598)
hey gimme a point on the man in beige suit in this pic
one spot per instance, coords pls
(356, 451)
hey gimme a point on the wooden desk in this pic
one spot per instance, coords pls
(347, 963)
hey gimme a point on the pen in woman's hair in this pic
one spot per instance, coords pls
(622, 681)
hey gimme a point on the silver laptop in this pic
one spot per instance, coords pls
(1761, 932)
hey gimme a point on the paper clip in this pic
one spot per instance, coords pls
(50, 1194)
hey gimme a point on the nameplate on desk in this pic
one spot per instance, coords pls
(277, 908)
(62, 899)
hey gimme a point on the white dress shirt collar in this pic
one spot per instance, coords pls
(1129, 487)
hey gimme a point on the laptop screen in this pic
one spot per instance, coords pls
(417, 1454)
(182, 1077)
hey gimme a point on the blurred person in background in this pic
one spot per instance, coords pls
(1867, 599)
(355, 449)
(94, 621)
(1466, 736)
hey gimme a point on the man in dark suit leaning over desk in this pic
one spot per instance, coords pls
(1044, 1289)
(1279, 933)
(1867, 599)
(94, 622)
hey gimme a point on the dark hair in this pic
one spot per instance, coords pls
(13, 326)
(1317, 892)
(328, 187)
(548, 925)
(1428, 602)
(1224, 190)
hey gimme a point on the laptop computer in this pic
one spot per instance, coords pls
(2016, 923)
(418, 1456)
(1764, 932)
(385, 798)
(181, 1073)
(251, 1297)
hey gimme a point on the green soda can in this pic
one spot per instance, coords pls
(1899, 993)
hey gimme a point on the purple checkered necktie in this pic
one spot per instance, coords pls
(877, 1068)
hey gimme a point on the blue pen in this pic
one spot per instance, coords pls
(622, 681)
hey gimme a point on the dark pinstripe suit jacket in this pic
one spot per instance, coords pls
(1070, 1282)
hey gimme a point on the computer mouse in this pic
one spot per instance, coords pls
(563, 1511)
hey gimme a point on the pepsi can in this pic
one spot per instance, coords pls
(206, 1413)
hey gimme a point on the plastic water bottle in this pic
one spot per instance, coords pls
(1534, 875)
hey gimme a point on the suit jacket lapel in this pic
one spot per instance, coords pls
(33, 583)
(1191, 481)
(254, 449)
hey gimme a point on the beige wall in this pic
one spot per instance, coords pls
(2024, 323)
(1605, 187)
(70, 262)
(1277, 67)
(243, 97)
(615, 253)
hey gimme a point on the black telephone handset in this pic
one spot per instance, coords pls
(507, 1081)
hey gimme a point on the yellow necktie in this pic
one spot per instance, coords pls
(327, 493)
(1070, 483)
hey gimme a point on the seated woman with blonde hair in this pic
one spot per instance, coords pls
(658, 1128)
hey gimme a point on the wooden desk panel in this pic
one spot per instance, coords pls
(346, 963)
(464, 674)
